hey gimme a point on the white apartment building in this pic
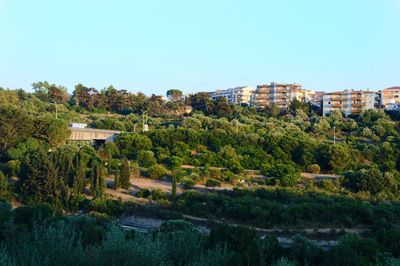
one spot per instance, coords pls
(236, 95)
(281, 95)
(350, 102)
(390, 97)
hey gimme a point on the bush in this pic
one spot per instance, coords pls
(157, 194)
(108, 206)
(176, 225)
(143, 193)
(146, 158)
(5, 217)
(314, 169)
(287, 174)
(28, 215)
(190, 180)
(102, 217)
(188, 183)
(157, 171)
(213, 183)
(77, 202)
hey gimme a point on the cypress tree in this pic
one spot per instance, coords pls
(98, 181)
(79, 174)
(5, 192)
(173, 186)
(125, 175)
(117, 183)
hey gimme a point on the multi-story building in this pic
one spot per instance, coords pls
(281, 95)
(350, 102)
(317, 98)
(390, 97)
(236, 95)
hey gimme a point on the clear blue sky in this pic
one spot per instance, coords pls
(155, 45)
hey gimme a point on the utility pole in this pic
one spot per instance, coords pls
(56, 110)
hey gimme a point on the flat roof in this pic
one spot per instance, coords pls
(95, 130)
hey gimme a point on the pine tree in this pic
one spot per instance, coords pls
(125, 174)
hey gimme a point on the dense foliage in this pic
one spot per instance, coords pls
(38, 236)
(261, 154)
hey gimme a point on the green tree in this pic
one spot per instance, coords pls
(157, 171)
(97, 179)
(131, 144)
(125, 174)
(53, 131)
(15, 126)
(174, 184)
(5, 192)
(336, 158)
(175, 95)
(372, 180)
(223, 108)
(146, 158)
(287, 174)
(296, 106)
(40, 182)
(202, 102)
(117, 183)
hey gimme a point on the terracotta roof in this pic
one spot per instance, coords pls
(392, 88)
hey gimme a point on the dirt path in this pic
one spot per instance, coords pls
(280, 230)
(152, 184)
(319, 176)
(283, 235)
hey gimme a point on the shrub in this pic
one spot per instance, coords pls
(108, 206)
(157, 194)
(176, 225)
(188, 183)
(143, 193)
(102, 217)
(314, 169)
(287, 174)
(213, 183)
(146, 158)
(190, 180)
(157, 171)
(77, 202)
(28, 215)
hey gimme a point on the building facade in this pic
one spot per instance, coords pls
(238, 95)
(317, 98)
(281, 95)
(350, 102)
(390, 97)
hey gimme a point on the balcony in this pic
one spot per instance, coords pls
(280, 97)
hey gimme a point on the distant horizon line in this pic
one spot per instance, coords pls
(194, 92)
